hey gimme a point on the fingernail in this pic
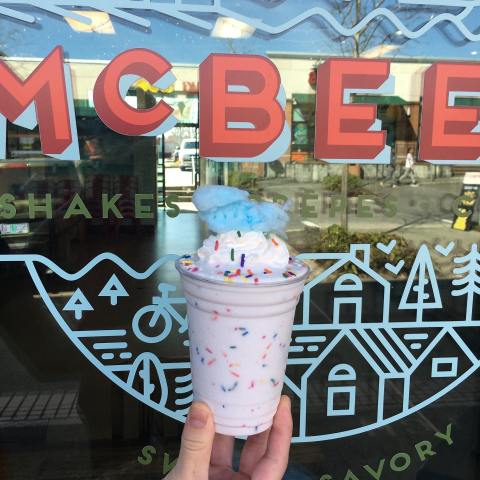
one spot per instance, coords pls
(198, 417)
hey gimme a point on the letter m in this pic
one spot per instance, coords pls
(45, 99)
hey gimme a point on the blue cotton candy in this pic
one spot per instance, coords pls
(213, 196)
(231, 209)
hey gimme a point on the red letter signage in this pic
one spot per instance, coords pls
(242, 107)
(242, 115)
(112, 86)
(449, 133)
(44, 99)
(349, 133)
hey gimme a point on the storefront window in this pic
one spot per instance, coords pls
(379, 170)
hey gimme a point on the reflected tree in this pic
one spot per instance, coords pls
(377, 38)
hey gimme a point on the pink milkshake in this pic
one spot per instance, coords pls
(242, 289)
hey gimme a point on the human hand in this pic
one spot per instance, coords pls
(205, 455)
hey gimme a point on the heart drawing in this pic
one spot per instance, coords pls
(360, 358)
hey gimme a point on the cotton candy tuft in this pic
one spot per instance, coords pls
(214, 196)
(227, 208)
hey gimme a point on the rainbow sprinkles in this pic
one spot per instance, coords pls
(240, 272)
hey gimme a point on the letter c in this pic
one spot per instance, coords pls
(112, 108)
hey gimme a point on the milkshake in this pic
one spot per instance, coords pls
(242, 288)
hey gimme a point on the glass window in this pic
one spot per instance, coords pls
(378, 170)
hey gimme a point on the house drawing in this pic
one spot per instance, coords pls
(398, 365)
(349, 305)
(344, 378)
(394, 368)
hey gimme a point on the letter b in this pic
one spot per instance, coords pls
(241, 115)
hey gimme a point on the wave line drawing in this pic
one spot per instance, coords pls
(185, 12)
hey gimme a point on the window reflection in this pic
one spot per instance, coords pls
(59, 416)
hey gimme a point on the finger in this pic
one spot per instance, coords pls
(275, 461)
(253, 451)
(222, 451)
(221, 473)
(196, 447)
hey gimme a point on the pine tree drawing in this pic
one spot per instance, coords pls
(113, 289)
(78, 303)
(421, 293)
(470, 280)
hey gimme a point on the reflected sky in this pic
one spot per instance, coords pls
(182, 42)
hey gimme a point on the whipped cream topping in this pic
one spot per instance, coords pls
(251, 250)
(243, 257)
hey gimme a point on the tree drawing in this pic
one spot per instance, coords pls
(113, 289)
(421, 291)
(470, 280)
(78, 303)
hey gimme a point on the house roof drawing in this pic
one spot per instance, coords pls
(450, 331)
(381, 351)
(372, 345)
(343, 259)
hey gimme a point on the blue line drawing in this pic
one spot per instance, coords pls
(145, 377)
(113, 289)
(416, 336)
(159, 308)
(471, 279)
(404, 361)
(194, 14)
(184, 379)
(445, 251)
(332, 410)
(395, 269)
(387, 248)
(78, 303)
(143, 366)
(348, 283)
(391, 335)
(108, 346)
(297, 348)
(103, 333)
(319, 339)
(359, 256)
(337, 306)
(439, 372)
(392, 351)
(389, 357)
(342, 373)
(423, 267)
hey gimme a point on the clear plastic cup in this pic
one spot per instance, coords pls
(239, 338)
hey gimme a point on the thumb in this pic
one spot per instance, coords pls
(197, 440)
